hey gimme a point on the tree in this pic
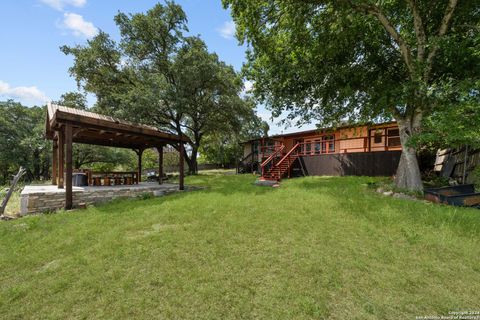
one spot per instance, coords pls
(76, 100)
(22, 141)
(158, 76)
(360, 60)
(226, 148)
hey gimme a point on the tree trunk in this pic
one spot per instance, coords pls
(192, 161)
(408, 173)
(17, 177)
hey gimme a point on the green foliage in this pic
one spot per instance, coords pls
(453, 124)
(159, 76)
(476, 177)
(145, 196)
(22, 142)
(327, 60)
(433, 180)
(367, 60)
(226, 148)
(315, 248)
(76, 100)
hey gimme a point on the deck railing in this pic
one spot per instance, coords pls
(320, 146)
(293, 151)
(346, 145)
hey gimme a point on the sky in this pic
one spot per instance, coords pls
(33, 70)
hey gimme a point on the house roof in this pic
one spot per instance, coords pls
(97, 129)
(321, 130)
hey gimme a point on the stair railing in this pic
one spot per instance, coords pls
(289, 153)
(271, 158)
(287, 158)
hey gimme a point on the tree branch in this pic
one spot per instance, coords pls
(388, 26)
(441, 32)
(419, 30)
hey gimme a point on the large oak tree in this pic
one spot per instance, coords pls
(361, 60)
(156, 75)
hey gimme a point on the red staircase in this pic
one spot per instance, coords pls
(274, 169)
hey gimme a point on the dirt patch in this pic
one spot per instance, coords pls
(156, 228)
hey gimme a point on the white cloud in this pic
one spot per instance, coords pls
(79, 26)
(24, 94)
(60, 4)
(227, 31)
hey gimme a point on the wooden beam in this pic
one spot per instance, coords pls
(180, 165)
(160, 164)
(68, 176)
(61, 157)
(78, 131)
(55, 163)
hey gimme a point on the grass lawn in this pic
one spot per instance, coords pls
(317, 247)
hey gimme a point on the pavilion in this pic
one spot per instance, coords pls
(66, 126)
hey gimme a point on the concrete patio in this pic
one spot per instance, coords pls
(46, 198)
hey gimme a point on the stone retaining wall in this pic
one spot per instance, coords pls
(40, 201)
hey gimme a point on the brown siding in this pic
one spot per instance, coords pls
(347, 140)
(358, 164)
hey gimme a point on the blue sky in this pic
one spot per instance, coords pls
(33, 70)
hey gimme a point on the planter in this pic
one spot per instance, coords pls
(461, 195)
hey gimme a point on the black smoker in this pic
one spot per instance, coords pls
(79, 180)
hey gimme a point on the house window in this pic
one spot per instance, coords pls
(378, 137)
(328, 142)
(393, 136)
(308, 148)
(317, 147)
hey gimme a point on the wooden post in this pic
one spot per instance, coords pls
(180, 165)
(160, 164)
(68, 176)
(369, 136)
(61, 157)
(55, 163)
(139, 174)
(385, 132)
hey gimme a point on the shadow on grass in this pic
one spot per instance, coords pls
(350, 194)
(219, 184)
(228, 184)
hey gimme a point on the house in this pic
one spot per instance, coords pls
(370, 150)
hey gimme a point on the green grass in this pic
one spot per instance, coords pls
(13, 205)
(317, 247)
